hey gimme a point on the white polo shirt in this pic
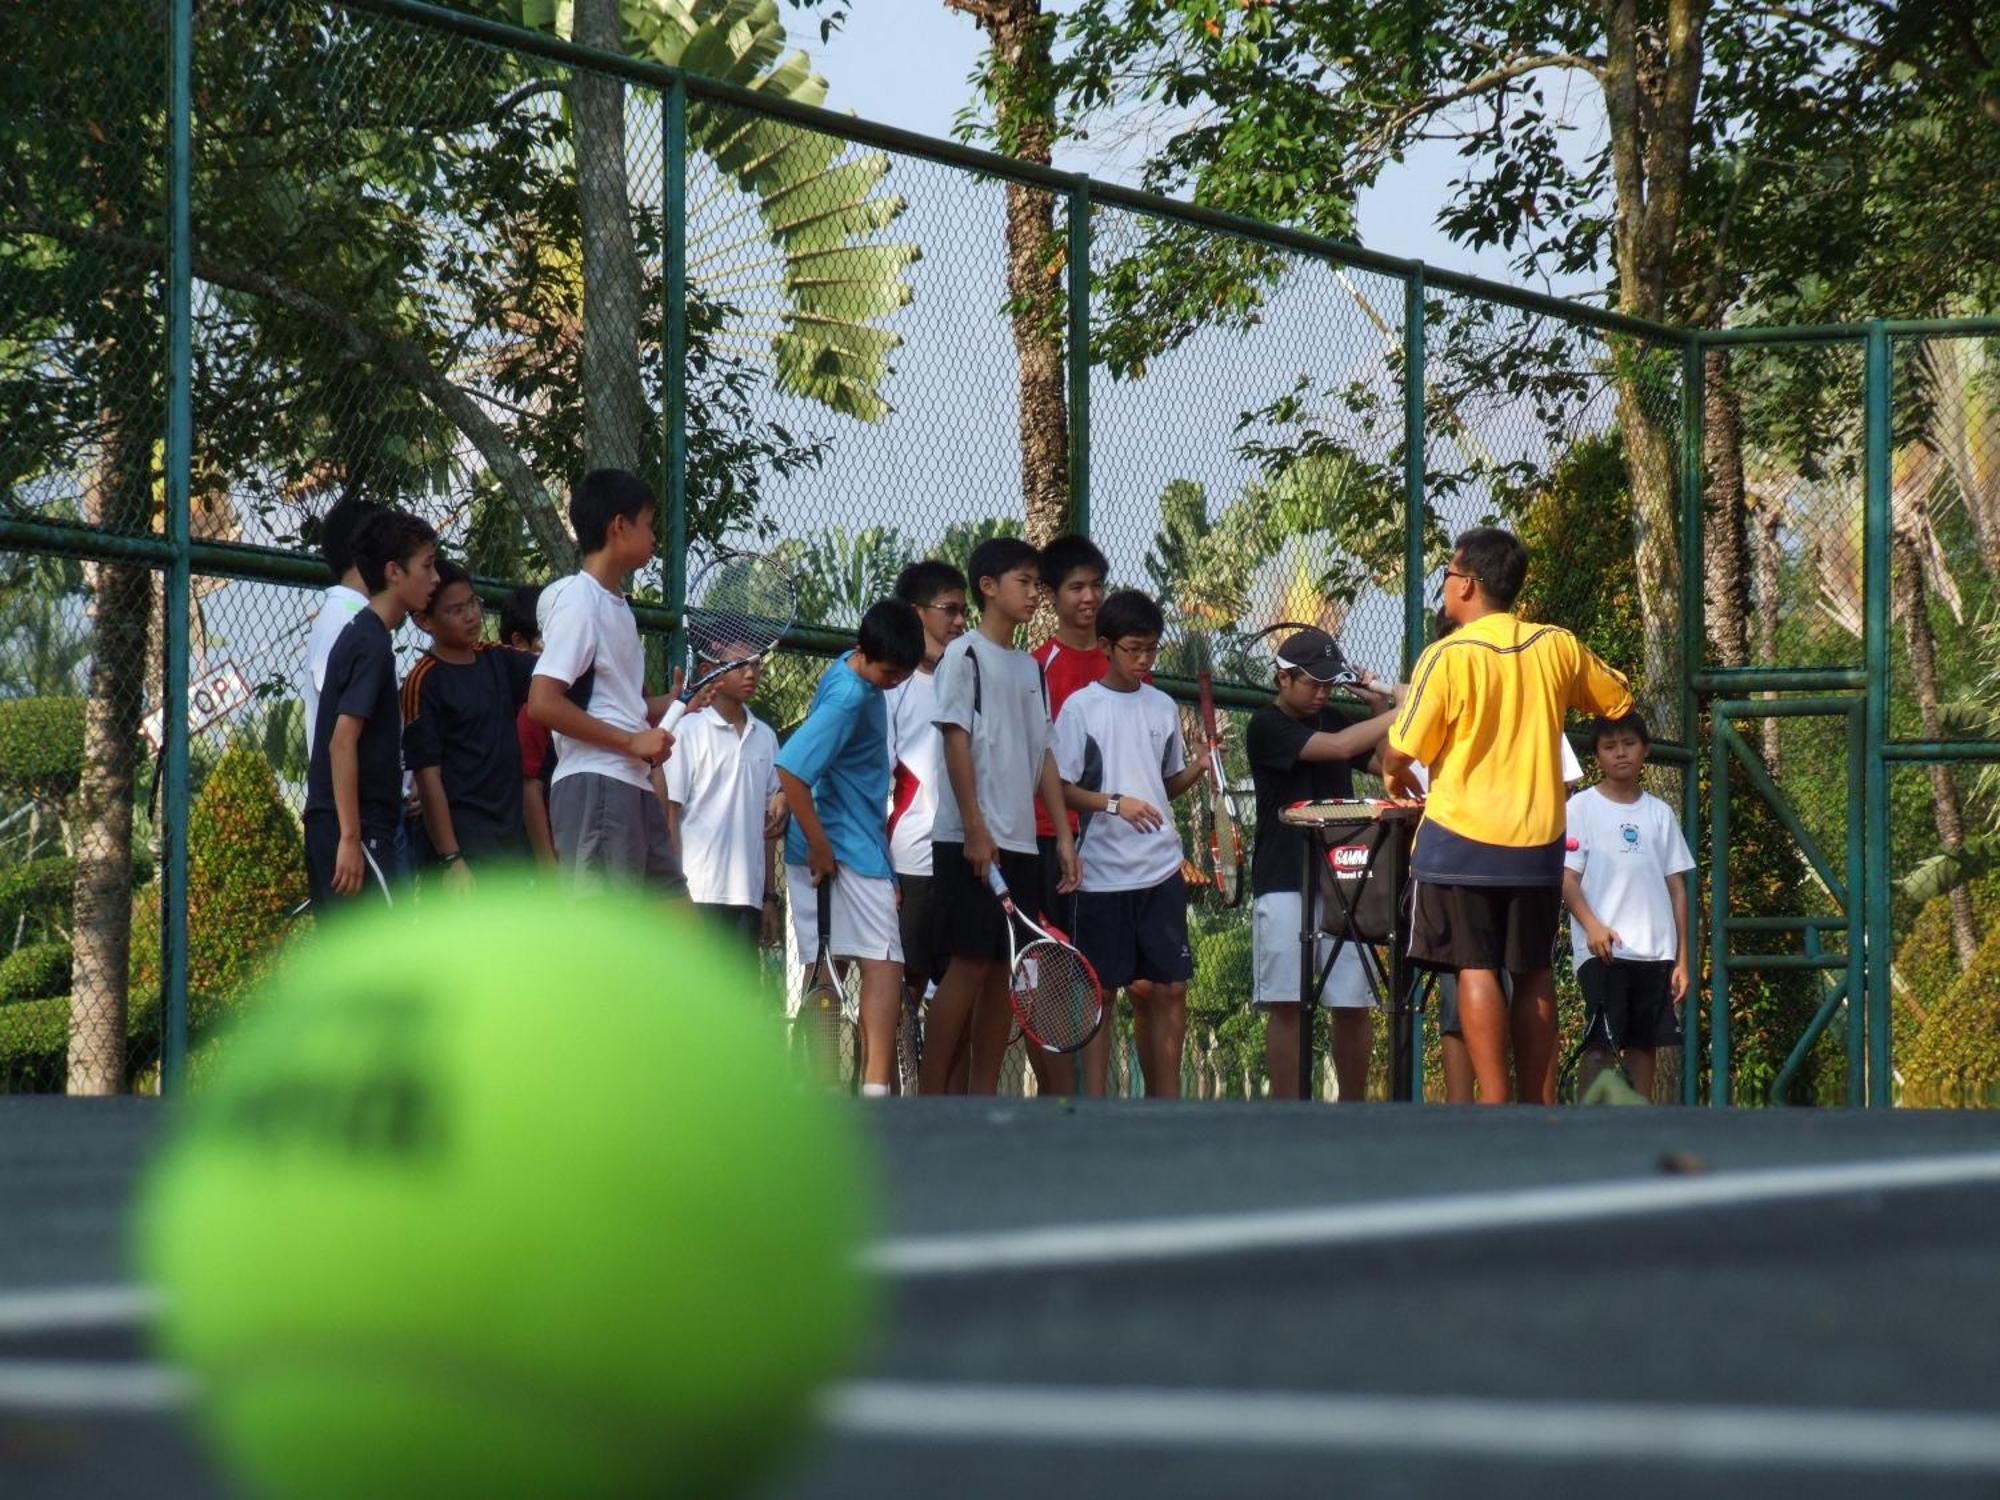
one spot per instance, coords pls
(337, 606)
(722, 780)
(586, 627)
(916, 767)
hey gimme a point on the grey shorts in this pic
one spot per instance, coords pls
(1447, 1001)
(607, 829)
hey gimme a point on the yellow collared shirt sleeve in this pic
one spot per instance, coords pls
(1596, 689)
(1420, 729)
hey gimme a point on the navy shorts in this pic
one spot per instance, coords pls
(1130, 935)
(966, 919)
(1630, 1003)
(386, 864)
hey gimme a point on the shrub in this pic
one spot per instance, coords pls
(34, 1043)
(37, 892)
(1956, 1056)
(246, 870)
(38, 971)
(41, 747)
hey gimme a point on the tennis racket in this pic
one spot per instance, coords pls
(1054, 989)
(738, 609)
(1225, 823)
(823, 1008)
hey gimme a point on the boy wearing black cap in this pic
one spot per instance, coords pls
(1485, 713)
(1300, 751)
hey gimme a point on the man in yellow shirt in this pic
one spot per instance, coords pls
(1484, 714)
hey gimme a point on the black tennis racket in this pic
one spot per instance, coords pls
(823, 1007)
(1054, 990)
(738, 610)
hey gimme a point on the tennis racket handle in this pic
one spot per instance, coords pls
(676, 711)
(993, 879)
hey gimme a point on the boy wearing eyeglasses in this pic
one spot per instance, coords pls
(460, 704)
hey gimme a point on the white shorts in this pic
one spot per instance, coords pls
(1274, 935)
(864, 915)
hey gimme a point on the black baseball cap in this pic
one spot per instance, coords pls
(1314, 653)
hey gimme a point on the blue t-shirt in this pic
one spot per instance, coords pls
(842, 753)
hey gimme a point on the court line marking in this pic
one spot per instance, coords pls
(1073, 1246)
(72, 1388)
(1129, 1417)
(69, 1308)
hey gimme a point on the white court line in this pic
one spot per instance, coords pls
(70, 1388)
(1115, 1243)
(1430, 1426)
(72, 1308)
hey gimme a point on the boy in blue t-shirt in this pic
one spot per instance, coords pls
(834, 772)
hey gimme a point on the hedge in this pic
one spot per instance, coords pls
(36, 971)
(34, 1042)
(41, 747)
(1956, 1056)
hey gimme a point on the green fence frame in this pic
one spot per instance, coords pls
(176, 555)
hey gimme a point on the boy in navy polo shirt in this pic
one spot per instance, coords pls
(354, 780)
(835, 775)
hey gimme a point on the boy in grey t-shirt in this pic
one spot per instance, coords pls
(993, 713)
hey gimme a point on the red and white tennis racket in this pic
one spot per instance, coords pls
(1053, 988)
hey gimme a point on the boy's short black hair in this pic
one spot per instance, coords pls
(1496, 558)
(1067, 554)
(1127, 613)
(921, 582)
(336, 532)
(517, 615)
(603, 495)
(998, 556)
(1634, 722)
(892, 633)
(388, 536)
(448, 573)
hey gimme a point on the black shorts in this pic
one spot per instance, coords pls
(741, 925)
(1630, 1003)
(385, 869)
(1141, 934)
(966, 920)
(1509, 927)
(914, 917)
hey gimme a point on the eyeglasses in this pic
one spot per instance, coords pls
(1147, 652)
(949, 611)
(468, 610)
(1451, 572)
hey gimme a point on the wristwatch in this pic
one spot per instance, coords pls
(452, 858)
(1111, 804)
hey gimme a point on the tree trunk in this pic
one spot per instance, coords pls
(1911, 601)
(121, 610)
(1019, 34)
(614, 399)
(1769, 562)
(1726, 541)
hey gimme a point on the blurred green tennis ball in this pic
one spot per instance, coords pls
(515, 1196)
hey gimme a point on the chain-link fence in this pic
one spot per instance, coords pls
(450, 267)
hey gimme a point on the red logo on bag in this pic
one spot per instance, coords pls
(1348, 859)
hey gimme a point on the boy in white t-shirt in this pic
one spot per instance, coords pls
(993, 713)
(936, 590)
(1118, 747)
(603, 811)
(725, 809)
(1628, 909)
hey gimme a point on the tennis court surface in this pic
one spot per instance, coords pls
(1210, 1300)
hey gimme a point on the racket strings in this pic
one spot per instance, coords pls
(740, 607)
(1056, 996)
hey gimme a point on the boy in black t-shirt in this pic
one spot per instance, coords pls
(1301, 752)
(520, 629)
(460, 703)
(354, 781)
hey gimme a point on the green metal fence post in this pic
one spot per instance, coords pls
(1875, 635)
(1414, 623)
(179, 458)
(1693, 636)
(673, 194)
(1718, 915)
(1858, 895)
(1077, 284)
(1413, 467)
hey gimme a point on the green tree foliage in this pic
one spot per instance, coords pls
(41, 747)
(1581, 575)
(1956, 1056)
(38, 971)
